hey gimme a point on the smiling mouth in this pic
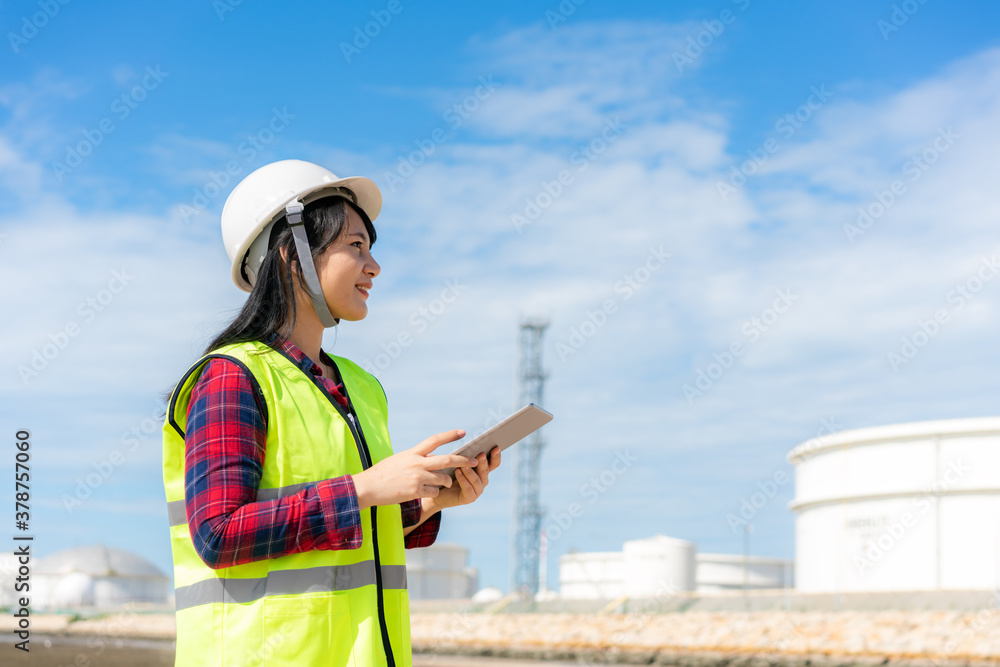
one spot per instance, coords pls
(362, 289)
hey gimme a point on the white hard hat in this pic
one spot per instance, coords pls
(262, 197)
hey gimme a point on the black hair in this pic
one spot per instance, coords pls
(270, 308)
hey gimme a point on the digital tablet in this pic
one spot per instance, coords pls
(518, 426)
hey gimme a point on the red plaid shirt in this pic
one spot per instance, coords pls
(223, 459)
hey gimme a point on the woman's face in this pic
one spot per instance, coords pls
(346, 270)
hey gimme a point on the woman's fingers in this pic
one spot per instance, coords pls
(438, 439)
(437, 479)
(468, 487)
(482, 468)
(441, 461)
(484, 473)
(472, 474)
(475, 476)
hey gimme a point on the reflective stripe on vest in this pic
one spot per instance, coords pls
(177, 512)
(319, 607)
(289, 582)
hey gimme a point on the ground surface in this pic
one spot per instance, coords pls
(690, 639)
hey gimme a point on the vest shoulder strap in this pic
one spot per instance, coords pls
(181, 397)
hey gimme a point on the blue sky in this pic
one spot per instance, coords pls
(589, 142)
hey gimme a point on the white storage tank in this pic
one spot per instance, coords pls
(904, 507)
(728, 572)
(656, 564)
(96, 576)
(591, 576)
(439, 572)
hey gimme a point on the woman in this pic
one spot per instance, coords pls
(289, 512)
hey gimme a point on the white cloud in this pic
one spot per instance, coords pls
(563, 83)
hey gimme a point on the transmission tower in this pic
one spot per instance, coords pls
(527, 511)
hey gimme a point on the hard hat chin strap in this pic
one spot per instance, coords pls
(293, 212)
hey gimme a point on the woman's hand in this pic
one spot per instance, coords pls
(411, 473)
(471, 482)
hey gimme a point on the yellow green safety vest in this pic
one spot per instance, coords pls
(337, 607)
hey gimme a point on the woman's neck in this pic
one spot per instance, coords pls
(307, 335)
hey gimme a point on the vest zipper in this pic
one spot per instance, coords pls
(366, 461)
(359, 438)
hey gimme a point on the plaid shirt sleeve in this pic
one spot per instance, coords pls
(224, 454)
(424, 534)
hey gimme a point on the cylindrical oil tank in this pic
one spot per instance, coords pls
(656, 565)
(729, 572)
(439, 572)
(591, 576)
(96, 576)
(904, 507)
